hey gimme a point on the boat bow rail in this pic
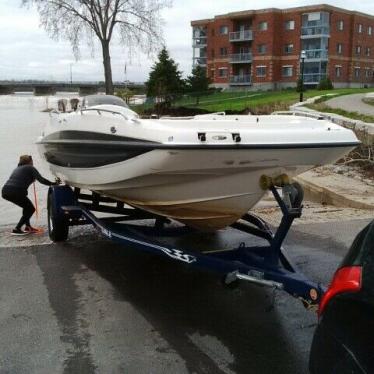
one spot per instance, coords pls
(267, 265)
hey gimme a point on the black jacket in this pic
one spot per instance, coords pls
(23, 176)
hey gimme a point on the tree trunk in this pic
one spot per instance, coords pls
(109, 90)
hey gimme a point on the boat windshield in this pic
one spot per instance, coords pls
(93, 100)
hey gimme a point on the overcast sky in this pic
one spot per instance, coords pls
(26, 51)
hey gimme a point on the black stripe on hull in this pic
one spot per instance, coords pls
(81, 149)
(87, 156)
(84, 149)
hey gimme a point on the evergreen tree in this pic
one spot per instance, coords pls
(165, 80)
(198, 82)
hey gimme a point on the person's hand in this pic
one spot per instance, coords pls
(57, 181)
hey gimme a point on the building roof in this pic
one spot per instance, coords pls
(307, 8)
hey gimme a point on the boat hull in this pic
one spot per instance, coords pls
(205, 189)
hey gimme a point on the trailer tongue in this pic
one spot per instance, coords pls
(266, 265)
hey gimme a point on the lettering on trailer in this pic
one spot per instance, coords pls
(106, 232)
(178, 255)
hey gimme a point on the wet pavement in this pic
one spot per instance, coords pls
(92, 306)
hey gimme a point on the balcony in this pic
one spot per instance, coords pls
(240, 80)
(240, 58)
(201, 61)
(313, 78)
(241, 36)
(316, 54)
(314, 31)
(199, 42)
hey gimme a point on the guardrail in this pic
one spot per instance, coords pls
(240, 79)
(238, 36)
(240, 57)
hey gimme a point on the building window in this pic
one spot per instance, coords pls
(289, 25)
(339, 48)
(287, 71)
(368, 51)
(261, 48)
(261, 71)
(222, 72)
(367, 72)
(370, 30)
(223, 30)
(288, 48)
(263, 26)
(357, 72)
(359, 28)
(223, 51)
(338, 71)
(358, 49)
(341, 25)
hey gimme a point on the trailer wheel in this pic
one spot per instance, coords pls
(58, 227)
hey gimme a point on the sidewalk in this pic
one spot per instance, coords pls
(325, 186)
(363, 130)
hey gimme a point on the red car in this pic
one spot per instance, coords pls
(344, 339)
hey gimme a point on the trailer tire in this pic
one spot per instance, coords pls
(58, 227)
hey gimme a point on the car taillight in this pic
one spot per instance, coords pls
(347, 279)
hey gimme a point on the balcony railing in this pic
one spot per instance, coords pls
(240, 79)
(199, 34)
(240, 36)
(312, 31)
(199, 61)
(237, 58)
(199, 43)
(318, 54)
(313, 78)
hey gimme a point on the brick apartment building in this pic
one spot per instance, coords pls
(262, 48)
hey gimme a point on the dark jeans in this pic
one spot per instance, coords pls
(19, 197)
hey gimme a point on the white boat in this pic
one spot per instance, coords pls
(203, 171)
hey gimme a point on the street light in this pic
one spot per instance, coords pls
(71, 73)
(302, 57)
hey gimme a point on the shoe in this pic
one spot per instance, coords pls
(31, 230)
(19, 232)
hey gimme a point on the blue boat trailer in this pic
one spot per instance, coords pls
(266, 265)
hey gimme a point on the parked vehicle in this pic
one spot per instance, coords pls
(344, 339)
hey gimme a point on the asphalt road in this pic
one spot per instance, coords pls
(92, 306)
(351, 103)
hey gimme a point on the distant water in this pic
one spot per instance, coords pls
(21, 122)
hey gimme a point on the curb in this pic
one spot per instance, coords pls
(324, 195)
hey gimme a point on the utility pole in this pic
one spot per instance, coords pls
(71, 73)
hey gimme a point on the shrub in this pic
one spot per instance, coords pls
(325, 84)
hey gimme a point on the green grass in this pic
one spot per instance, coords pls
(369, 101)
(257, 102)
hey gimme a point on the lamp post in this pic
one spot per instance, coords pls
(71, 73)
(302, 57)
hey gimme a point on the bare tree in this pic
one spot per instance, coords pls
(136, 22)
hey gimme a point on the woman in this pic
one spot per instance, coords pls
(15, 191)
